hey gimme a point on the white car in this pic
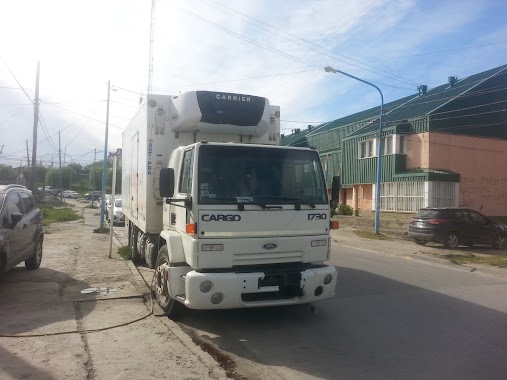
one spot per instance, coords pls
(118, 217)
(70, 194)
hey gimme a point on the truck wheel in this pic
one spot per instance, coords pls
(134, 253)
(172, 308)
(151, 254)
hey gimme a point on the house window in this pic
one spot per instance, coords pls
(366, 149)
(403, 144)
(387, 145)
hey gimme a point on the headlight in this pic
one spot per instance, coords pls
(319, 243)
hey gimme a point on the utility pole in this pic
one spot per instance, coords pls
(93, 176)
(28, 163)
(104, 167)
(60, 157)
(27, 155)
(33, 172)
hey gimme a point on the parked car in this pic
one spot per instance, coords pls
(70, 194)
(456, 226)
(21, 233)
(118, 218)
(50, 190)
(93, 195)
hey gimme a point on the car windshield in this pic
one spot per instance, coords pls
(427, 214)
(232, 174)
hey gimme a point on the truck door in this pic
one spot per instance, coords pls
(184, 189)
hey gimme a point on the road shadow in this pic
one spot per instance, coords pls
(374, 327)
(19, 368)
(38, 301)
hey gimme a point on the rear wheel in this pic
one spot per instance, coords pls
(420, 242)
(34, 261)
(452, 240)
(500, 241)
(134, 253)
(172, 308)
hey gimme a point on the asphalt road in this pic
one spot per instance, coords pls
(392, 318)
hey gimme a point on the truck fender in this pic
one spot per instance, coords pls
(174, 246)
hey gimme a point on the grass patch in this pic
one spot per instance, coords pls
(104, 230)
(371, 235)
(57, 214)
(470, 258)
(124, 252)
(91, 206)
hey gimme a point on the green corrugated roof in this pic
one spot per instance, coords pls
(293, 138)
(409, 107)
(428, 103)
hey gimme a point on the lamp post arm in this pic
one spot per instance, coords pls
(330, 69)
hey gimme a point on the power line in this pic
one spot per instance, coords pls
(243, 38)
(391, 75)
(16, 79)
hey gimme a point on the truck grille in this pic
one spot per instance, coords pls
(267, 258)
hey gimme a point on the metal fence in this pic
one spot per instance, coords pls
(412, 196)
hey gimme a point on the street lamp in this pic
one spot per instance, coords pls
(329, 69)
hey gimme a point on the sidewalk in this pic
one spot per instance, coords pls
(119, 337)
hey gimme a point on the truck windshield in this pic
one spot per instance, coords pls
(239, 174)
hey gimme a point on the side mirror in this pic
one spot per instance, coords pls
(16, 218)
(166, 183)
(335, 189)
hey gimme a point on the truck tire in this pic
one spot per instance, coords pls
(134, 253)
(151, 254)
(172, 308)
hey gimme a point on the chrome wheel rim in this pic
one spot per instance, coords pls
(452, 241)
(501, 241)
(38, 252)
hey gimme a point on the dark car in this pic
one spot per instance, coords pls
(456, 226)
(94, 195)
(21, 233)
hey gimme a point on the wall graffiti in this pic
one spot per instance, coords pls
(476, 191)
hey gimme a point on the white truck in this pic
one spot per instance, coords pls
(225, 216)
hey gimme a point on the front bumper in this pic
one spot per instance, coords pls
(257, 289)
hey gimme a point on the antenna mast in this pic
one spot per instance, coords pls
(152, 43)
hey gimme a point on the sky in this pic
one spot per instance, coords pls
(271, 48)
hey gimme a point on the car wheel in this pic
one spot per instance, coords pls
(420, 242)
(500, 241)
(172, 308)
(34, 261)
(452, 241)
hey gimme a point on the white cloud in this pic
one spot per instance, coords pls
(83, 44)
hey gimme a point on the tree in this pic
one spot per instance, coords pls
(68, 174)
(8, 174)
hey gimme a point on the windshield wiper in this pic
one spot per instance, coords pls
(298, 201)
(240, 202)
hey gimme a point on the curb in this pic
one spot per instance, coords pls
(215, 370)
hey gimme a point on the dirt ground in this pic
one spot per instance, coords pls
(51, 329)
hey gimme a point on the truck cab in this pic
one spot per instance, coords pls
(244, 225)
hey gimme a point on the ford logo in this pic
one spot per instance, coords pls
(270, 246)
